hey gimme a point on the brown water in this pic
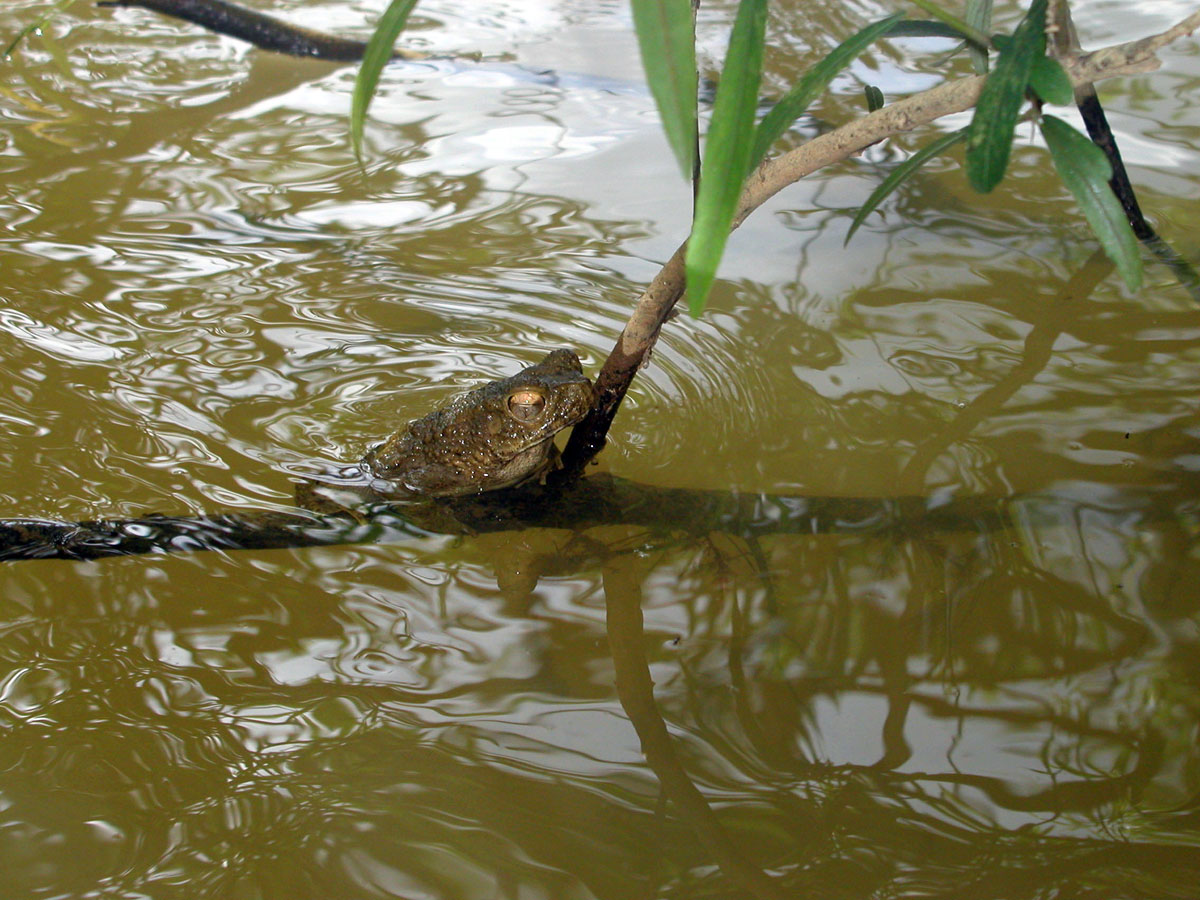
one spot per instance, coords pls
(200, 293)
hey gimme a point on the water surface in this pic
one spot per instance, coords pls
(201, 292)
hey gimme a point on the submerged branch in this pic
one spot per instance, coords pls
(584, 503)
(258, 29)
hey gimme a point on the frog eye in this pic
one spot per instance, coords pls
(526, 405)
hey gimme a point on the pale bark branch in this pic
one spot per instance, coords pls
(655, 304)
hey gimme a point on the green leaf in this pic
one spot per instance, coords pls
(1085, 170)
(991, 135)
(667, 40)
(793, 104)
(377, 55)
(974, 35)
(874, 97)
(35, 26)
(1051, 82)
(902, 173)
(727, 151)
(979, 15)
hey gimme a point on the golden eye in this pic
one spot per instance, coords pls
(526, 405)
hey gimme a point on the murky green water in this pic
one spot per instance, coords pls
(200, 293)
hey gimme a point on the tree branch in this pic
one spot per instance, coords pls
(654, 306)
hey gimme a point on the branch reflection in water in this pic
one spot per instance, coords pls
(897, 713)
(824, 714)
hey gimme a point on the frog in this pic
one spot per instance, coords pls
(499, 435)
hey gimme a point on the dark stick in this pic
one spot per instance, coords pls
(1102, 136)
(258, 29)
(24, 539)
(586, 503)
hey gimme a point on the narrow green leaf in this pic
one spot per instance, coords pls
(667, 40)
(1085, 171)
(979, 15)
(793, 104)
(874, 97)
(727, 150)
(902, 173)
(991, 135)
(35, 26)
(377, 55)
(1051, 82)
(974, 35)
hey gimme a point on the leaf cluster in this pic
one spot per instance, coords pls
(736, 143)
(1022, 72)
